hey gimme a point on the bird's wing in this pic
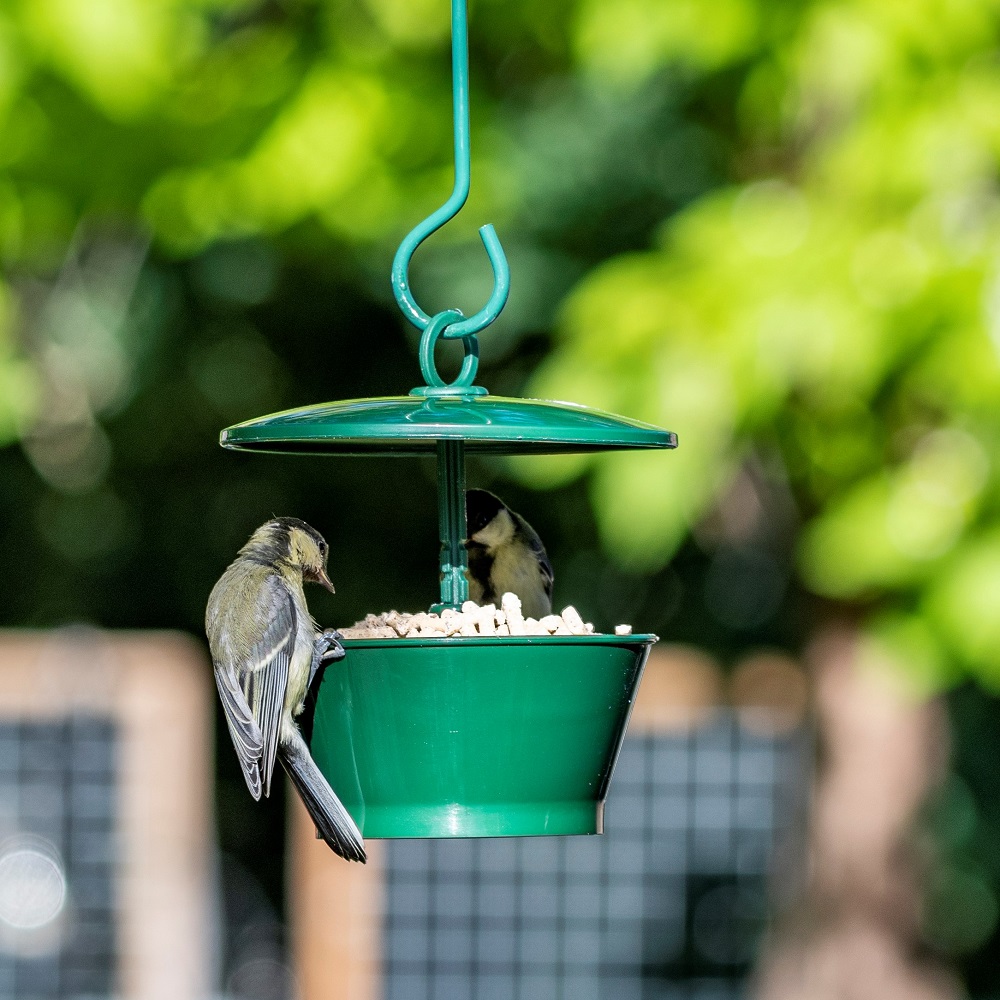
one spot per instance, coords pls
(253, 687)
(244, 731)
(544, 565)
(264, 678)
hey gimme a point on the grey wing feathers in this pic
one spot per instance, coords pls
(264, 689)
(544, 565)
(245, 734)
(252, 676)
(546, 568)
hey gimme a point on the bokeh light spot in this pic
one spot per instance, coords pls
(32, 885)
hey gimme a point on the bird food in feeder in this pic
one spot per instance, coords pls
(456, 723)
(472, 620)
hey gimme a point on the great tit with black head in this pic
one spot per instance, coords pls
(266, 648)
(506, 554)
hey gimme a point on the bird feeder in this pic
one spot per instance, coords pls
(465, 736)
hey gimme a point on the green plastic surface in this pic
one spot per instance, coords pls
(477, 737)
(412, 425)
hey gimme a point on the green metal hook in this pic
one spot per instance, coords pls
(463, 169)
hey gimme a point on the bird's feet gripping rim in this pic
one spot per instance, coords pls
(330, 644)
(327, 648)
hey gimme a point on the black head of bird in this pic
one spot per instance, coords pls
(488, 518)
(293, 546)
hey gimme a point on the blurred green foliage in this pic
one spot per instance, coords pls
(770, 227)
(836, 307)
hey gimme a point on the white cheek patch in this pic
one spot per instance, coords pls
(498, 532)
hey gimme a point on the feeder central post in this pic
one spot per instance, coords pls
(452, 524)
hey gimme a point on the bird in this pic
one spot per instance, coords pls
(266, 649)
(505, 555)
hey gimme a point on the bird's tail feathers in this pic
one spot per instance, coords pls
(333, 822)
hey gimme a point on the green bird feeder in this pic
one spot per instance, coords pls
(465, 736)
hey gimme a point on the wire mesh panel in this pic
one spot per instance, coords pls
(670, 903)
(57, 850)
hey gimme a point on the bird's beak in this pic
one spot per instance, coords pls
(323, 578)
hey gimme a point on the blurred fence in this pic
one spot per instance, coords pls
(58, 803)
(105, 817)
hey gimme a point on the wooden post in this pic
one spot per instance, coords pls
(335, 910)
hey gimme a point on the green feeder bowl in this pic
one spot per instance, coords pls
(466, 737)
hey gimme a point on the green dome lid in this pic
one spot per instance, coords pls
(413, 425)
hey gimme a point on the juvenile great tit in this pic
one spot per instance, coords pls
(266, 648)
(506, 554)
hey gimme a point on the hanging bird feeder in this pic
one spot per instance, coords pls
(465, 736)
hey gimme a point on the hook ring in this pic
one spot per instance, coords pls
(436, 329)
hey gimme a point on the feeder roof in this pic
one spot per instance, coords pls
(412, 425)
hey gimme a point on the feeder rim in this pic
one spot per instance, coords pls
(591, 639)
(413, 425)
